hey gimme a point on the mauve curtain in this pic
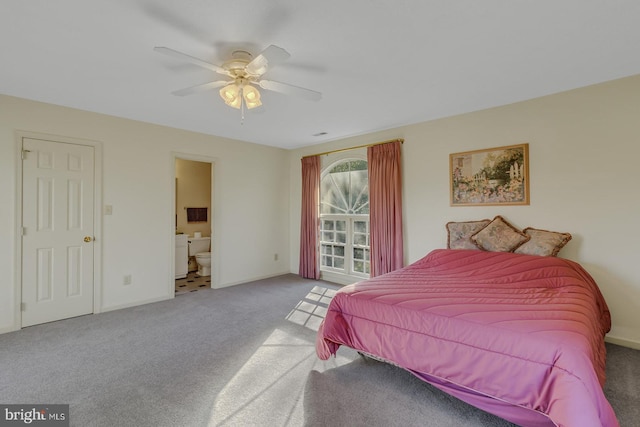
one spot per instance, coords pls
(385, 208)
(309, 262)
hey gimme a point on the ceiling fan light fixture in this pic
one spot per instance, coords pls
(230, 94)
(245, 71)
(237, 103)
(251, 96)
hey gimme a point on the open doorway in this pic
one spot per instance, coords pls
(194, 237)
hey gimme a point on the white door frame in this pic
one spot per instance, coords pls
(215, 213)
(97, 188)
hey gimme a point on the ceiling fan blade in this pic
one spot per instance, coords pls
(288, 89)
(183, 56)
(201, 88)
(269, 57)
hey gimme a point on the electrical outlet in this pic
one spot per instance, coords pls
(275, 257)
(127, 280)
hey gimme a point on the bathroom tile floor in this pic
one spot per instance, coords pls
(192, 283)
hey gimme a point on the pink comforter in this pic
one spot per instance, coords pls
(519, 336)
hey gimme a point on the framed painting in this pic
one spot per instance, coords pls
(495, 176)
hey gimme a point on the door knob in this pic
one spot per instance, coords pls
(87, 238)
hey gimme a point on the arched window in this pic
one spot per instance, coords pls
(344, 218)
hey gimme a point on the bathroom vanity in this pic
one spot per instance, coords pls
(182, 256)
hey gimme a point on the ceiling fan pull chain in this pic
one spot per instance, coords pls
(241, 109)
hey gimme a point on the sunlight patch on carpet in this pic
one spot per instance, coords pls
(271, 378)
(310, 311)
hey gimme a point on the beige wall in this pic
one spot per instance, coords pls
(584, 147)
(193, 190)
(250, 214)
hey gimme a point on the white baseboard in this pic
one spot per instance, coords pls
(249, 280)
(623, 342)
(340, 279)
(13, 328)
(134, 304)
(6, 330)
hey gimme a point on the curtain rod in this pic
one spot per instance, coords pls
(356, 147)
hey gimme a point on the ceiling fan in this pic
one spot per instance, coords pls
(245, 73)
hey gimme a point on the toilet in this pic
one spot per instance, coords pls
(199, 248)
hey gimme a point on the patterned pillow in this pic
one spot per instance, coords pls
(543, 242)
(459, 233)
(499, 236)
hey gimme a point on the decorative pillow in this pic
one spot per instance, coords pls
(459, 233)
(543, 242)
(499, 236)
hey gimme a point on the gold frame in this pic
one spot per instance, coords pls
(481, 177)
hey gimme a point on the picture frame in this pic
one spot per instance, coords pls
(490, 177)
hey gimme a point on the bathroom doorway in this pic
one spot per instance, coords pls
(193, 219)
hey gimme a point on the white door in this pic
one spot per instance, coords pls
(57, 219)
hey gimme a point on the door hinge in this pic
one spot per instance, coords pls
(24, 231)
(24, 154)
(23, 306)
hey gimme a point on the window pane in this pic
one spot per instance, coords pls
(358, 165)
(358, 266)
(339, 263)
(362, 203)
(360, 226)
(326, 249)
(358, 253)
(341, 184)
(338, 250)
(360, 188)
(327, 225)
(360, 239)
(326, 261)
(331, 198)
(340, 167)
(345, 189)
(341, 225)
(327, 236)
(341, 237)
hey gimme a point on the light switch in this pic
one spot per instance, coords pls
(108, 209)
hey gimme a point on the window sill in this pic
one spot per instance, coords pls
(339, 278)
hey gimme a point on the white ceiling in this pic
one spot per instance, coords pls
(378, 63)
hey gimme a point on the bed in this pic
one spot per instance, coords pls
(520, 336)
